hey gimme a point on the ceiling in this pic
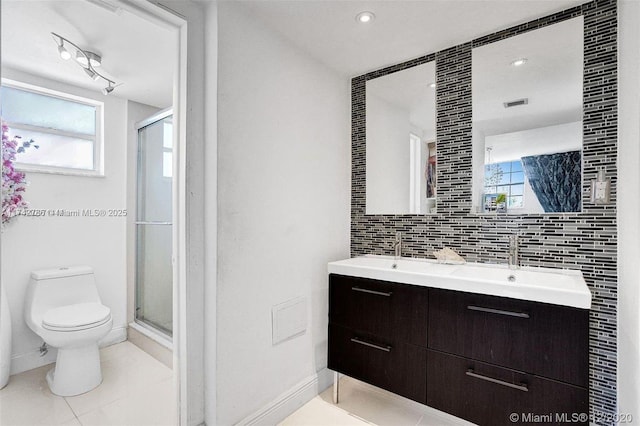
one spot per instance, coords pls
(402, 29)
(141, 54)
(135, 52)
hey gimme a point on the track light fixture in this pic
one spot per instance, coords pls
(108, 89)
(89, 61)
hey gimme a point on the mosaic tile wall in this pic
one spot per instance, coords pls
(585, 241)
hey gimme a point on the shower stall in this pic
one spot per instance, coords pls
(153, 225)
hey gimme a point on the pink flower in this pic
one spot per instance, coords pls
(13, 182)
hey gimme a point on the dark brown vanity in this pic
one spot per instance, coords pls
(475, 356)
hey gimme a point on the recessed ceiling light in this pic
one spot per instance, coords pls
(365, 17)
(519, 62)
(432, 85)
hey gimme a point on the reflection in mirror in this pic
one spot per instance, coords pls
(401, 142)
(527, 121)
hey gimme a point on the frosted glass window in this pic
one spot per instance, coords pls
(167, 137)
(66, 128)
(167, 164)
(24, 107)
(56, 151)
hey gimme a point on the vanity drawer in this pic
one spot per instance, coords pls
(488, 395)
(398, 368)
(546, 340)
(388, 310)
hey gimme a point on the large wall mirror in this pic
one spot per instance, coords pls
(401, 142)
(527, 121)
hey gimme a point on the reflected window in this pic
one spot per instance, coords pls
(66, 128)
(505, 178)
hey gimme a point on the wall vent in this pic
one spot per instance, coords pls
(517, 102)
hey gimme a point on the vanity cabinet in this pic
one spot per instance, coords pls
(475, 356)
(547, 340)
(378, 333)
(487, 394)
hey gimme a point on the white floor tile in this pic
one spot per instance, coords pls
(136, 390)
(154, 406)
(318, 412)
(126, 372)
(379, 407)
(28, 401)
(72, 422)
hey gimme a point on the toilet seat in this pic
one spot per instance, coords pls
(76, 317)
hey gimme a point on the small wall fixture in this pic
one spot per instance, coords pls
(365, 17)
(89, 61)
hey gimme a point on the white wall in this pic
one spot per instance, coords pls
(629, 209)
(36, 243)
(283, 208)
(387, 156)
(211, 212)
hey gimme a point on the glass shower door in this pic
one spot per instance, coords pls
(154, 269)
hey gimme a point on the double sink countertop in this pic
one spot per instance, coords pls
(565, 287)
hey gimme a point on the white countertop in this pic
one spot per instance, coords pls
(564, 287)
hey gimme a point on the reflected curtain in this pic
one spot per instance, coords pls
(556, 179)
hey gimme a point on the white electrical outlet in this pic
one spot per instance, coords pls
(601, 189)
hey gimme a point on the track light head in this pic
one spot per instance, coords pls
(64, 53)
(108, 89)
(84, 57)
(91, 73)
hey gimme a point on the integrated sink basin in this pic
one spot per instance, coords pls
(555, 286)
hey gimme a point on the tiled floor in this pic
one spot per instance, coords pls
(136, 390)
(361, 404)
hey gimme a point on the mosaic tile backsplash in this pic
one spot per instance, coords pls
(585, 240)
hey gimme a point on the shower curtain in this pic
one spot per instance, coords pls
(556, 179)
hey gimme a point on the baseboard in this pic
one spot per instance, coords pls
(288, 402)
(30, 360)
(116, 335)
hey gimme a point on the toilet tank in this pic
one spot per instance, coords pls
(52, 288)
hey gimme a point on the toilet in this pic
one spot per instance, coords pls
(63, 307)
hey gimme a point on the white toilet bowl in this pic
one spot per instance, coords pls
(62, 306)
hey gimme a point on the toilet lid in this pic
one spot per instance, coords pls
(78, 315)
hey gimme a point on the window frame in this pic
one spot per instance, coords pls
(510, 184)
(98, 139)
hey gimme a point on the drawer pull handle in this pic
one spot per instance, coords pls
(523, 387)
(371, 345)
(498, 311)
(378, 293)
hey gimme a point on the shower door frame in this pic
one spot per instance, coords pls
(158, 334)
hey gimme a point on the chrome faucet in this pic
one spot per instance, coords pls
(514, 256)
(397, 245)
